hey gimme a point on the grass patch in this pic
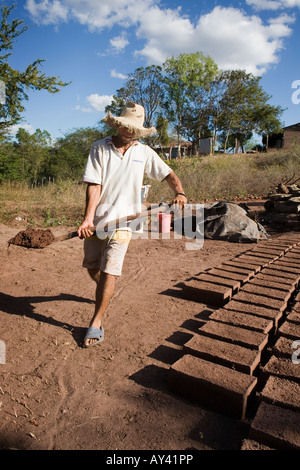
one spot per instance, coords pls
(204, 179)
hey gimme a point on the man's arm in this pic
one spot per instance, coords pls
(176, 186)
(93, 193)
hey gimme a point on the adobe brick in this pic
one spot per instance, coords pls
(242, 320)
(221, 352)
(224, 390)
(243, 265)
(235, 285)
(234, 334)
(206, 292)
(276, 427)
(272, 270)
(266, 292)
(280, 246)
(296, 307)
(284, 268)
(290, 330)
(282, 392)
(254, 260)
(283, 348)
(277, 251)
(262, 300)
(265, 257)
(290, 263)
(265, 281)
(282, 367)
(283, 281)
(242, 278)
(291, 254)
(255, 310)
(294, 316)
(246, 271)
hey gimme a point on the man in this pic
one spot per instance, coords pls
(114, 176)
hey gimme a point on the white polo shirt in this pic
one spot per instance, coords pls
(121, 177)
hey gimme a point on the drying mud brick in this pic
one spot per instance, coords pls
(268, 250)
(289, 263)
(284, 368)
(247, 272)
(257, 299)
(276, 272)
(240, 264)
(282, 392)
(221, 352)
(296, 307)
(211, 385)
(283, 268)
(224, 274)
(292, 255)
(233, 284)
(256, 260)
(206, 292)
(266, 291)
(274, 283)
(234, 334)
(33, 238)
(256, 310)
(294, 316)
(290, 330)
(283, 348)
(276, 427)
(242, 320)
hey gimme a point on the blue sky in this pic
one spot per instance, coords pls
(96, 43)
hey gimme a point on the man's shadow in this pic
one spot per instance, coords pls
(22, 306)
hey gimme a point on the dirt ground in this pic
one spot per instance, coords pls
(56, 395)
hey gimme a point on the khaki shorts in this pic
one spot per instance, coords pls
(106, 254)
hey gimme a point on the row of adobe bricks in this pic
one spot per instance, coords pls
(243, 355)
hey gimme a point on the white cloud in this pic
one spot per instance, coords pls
(99, 102)
(273, 4)
(47, 12)
(115, 74)
(230, 36)
(119, 42)
(96, 102)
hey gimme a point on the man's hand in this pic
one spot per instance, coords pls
(84, 231)
(179, 200)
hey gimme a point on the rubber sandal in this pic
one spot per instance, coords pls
(94, 333)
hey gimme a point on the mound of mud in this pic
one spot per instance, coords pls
(33, 238)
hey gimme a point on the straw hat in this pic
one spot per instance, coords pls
(132, 117)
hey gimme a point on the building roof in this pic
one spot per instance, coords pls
(293, 127)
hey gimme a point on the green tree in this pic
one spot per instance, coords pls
(162, 129)
(68, 157)
(184, 76)
(32, 152)
(18, 83)
(268, 121)
(242, 105)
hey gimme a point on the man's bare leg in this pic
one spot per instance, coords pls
(104, 292)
